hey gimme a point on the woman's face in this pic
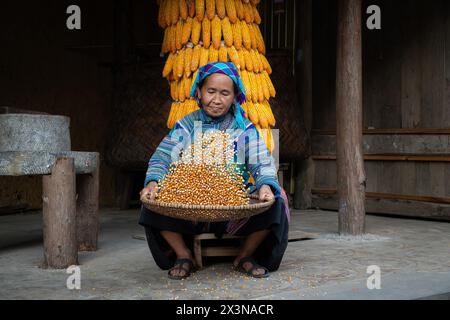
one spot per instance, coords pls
(216, 94)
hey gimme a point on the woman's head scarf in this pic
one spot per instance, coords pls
(226, 68)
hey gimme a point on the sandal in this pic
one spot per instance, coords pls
(255, 265)
(179, 263)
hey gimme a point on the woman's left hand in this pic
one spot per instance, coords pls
(265, 193)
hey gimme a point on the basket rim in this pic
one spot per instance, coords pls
(253, 206)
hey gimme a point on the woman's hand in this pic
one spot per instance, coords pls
(149, 192)
(265, 193)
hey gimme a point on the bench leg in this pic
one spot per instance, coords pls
(87, 210)
(59, 215)
(198, 253)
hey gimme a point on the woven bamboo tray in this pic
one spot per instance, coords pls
(209, 213)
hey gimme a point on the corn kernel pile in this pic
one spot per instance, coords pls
(197, 32)
(205, 174)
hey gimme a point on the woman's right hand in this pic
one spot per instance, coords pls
(149, 192)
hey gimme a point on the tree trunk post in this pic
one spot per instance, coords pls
(87, 209)
(59, 215)
(350, 162)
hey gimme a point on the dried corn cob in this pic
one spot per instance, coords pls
(246, 39)
(200, 9)
(259, 39)
(269, 113)
(191, 8)
(255, 61)
(213, 54)
(168, 65)
(187, 87)
(264, 85)
(254, 85)
(167, 9)
(170, 117)
(173, 38)
(248, 13)
(174, 90)
(174, 11)
(183, 9)
(180, 64)
(248, 60)
(195, 58)
(165, 44)
(242, 59)
(247, 86)
(234, 56)
(252, 113)
(196, 29)
(239, 9)
(161, 13)
(237, 35)
(216, 32)
(227, 32)
(210, 9)
(223, 56)
(179, 34)
(269, 84)
(206, 33)
(231, 10)
(204, 57)
(220, 8)
(252, 36)
(266, 64)
(187, 29)
(187, 61)
(259, 87)
(256, 16)
(263, 122)
(181, 92)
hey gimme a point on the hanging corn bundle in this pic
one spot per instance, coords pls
(201, 31)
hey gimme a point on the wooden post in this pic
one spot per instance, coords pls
(350, 164)
(59, 215)
(304, 168)
(87, 209)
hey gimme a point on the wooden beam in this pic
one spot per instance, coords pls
(375, 157)
(59, 216)
(350, 163)
(391, 196)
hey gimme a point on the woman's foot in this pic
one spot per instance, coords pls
(182, 269)
(250, 267)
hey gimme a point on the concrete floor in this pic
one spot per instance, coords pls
(413, 256)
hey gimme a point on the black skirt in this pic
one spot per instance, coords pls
(269, 253)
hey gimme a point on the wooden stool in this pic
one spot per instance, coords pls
(200, 252)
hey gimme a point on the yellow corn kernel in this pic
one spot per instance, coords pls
(256, 61)
(269, 113)
(181, 92)
(259, 39)
(187, 87)
(259, 87)
(173, 38)
(254, 85)
(227, 32)
(247, 86)
(248, 13)
(196, 29)
(264, 86)
(200, 9)
(253, 113)
(216, 32)
(263, 121)
(206, 33)
(266, 64)
(220, 8)
(231, 10)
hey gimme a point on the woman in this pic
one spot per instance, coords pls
(219, 92)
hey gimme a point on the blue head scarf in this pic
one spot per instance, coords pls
(226, 68)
